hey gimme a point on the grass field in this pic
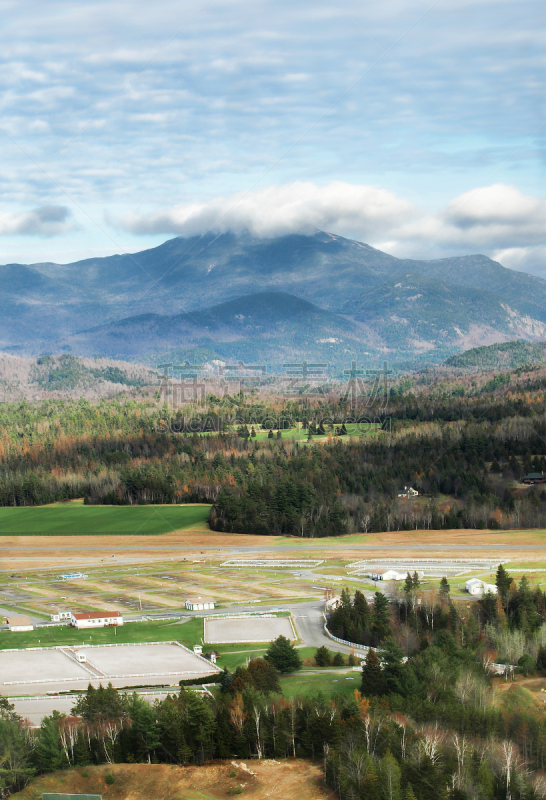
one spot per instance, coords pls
(301, 435)
(187, 633)
(328, 683)
(69, 519)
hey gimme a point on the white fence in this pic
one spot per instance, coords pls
(362, 647)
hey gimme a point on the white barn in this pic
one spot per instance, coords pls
(477, 587)
(200, 603)
(96, 619)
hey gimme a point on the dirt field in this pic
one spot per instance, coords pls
(39, 671)
(20, 552)
(274, 780)
(250, 629)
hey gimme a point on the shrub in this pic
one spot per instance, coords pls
(110, 779)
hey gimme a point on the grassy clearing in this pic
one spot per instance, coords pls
(300, 434)
(188, 633)
(74, 519)
(327, 683)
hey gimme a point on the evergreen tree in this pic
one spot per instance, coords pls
(380, 617)
(503, 582)
(49, 753)
(373, 680)
(444, 589)
(283, 655)
(323, 657)
(337, 660)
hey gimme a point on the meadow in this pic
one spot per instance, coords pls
(187, 633)
(77, 519)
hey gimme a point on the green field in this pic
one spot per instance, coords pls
(187, 633)
(328, 683)
(69, 519)
(301, 434)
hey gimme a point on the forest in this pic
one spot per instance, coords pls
(464, 448)
(426, 722)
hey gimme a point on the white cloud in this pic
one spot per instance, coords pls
(293, 208)
(493, 218)
(524, 259)
(48, 220)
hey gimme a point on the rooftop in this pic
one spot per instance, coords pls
(97, 614)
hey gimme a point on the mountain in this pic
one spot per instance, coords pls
(507, 355)
(402, 307)
(274, 326)
(417, 312)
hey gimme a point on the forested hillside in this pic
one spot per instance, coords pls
(463, 449)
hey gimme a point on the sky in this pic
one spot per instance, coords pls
(415, 127)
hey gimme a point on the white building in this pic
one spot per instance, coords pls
(199, 603)
(96, 619)
(332, 603)
(408, 491)
(59, 616)
(19, 624)
(477, 587)
(393, 574)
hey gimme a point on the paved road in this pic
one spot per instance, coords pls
(310, 626)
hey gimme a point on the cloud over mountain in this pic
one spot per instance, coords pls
(496, 218)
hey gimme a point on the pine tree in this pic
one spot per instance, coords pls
(444, 588)
(283, 655)
(380, 617)
(373, 680)
(323, 657)
(337, 660)
(503, 582)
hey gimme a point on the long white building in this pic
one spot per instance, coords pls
(96, 619)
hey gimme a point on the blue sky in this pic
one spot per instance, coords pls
(417, 127)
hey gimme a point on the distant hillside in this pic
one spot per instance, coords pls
(67, 377)
(507, 355)
(274, 326)
(125, 305)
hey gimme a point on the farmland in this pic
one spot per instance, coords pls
(77, 519)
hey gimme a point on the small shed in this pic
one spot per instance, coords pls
(19, 624)
(60, 616)
(477, 587)
(200, 603)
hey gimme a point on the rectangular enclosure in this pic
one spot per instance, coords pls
(145, 659)
(247, 629)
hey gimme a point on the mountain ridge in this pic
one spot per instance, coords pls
(46, 306)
